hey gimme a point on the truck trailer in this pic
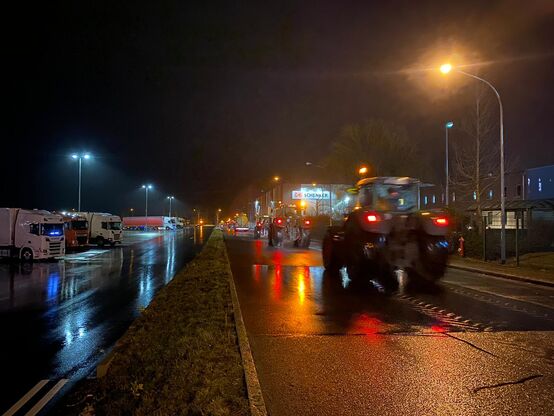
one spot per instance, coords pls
(31, 234)
(152, 223)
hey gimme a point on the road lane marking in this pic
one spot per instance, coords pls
(46, 398)
(21, 402)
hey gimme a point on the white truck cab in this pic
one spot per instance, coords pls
(104, 228)
(31, 234)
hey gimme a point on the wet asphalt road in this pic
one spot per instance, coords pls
(59, 318)
(473, 345)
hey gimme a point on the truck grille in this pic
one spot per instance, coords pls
(55, 248)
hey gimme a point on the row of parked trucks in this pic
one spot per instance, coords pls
(38, 234)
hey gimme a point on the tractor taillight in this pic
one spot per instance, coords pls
(372, 217)
(440, 221)
(279, 221)
(307, 222)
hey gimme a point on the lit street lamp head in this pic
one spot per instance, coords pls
(445, 68)
(276, 178)
(147, 186)
(86, 156)
(74, 156)
(449, 124)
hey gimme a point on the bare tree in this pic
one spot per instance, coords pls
(384, 147)
(477, 155)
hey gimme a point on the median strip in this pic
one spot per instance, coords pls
(181, 356)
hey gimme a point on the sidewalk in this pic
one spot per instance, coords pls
(510, 271)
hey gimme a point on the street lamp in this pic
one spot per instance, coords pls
(447, 126)
(447, 68)
(197, 215)
(217, 216)
(170, 198)
(330, 192)
(80, 157)
(146, 188)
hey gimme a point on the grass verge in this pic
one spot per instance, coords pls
(180, 356)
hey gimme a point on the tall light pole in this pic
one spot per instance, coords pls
(330, 193)
(146, 188)
(447, 126)
(445, 69)
(197, 215)
(80, 157)
(217, 216)
(170, 198)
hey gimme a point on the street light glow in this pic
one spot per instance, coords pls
(74, 156)
(445, 68)
(86, 156)
(276, 178)
(147, 186)
(449, 124)
(362, 170)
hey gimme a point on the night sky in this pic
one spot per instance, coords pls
(201, 99)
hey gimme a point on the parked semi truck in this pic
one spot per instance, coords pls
(153, 223)
(103, 228)
(75, 231)
(31, 234)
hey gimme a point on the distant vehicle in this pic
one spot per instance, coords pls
(31, 234)
(179, 222)
(387, 231)
(75, 230)
(290, 225)
(152, 223)
(241, 222)
(104, 228)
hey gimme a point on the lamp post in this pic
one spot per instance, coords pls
(197, 215)
(447, 126)
(445, 69)
(330, 193)
(217, 216)
(170, 198)
(146, 188)
(80, 157)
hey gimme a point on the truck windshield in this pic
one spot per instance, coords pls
(79, 225)
(51, 229)
(114, 226)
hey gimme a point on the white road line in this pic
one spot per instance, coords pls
(46, 398)
(21, 402)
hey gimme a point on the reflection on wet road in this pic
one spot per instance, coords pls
(58, 318)
(324, 345)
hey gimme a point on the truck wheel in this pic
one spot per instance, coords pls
(331, 261)
(100, 242)
(26, 255)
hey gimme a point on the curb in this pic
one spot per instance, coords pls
(503, 275)
(255, 396)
